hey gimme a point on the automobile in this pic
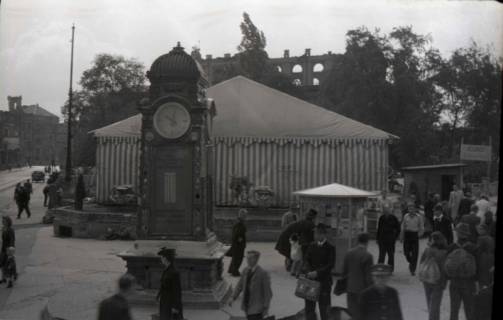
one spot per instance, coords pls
(123, 195)
(38, 176)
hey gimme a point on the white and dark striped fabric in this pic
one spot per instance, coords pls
(284, 164)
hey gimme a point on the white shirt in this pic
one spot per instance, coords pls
(483, 206)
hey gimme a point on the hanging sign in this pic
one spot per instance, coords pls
(475, 152)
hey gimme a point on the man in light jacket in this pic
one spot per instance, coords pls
(255, 283)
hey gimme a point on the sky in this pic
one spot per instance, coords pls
(35, 35)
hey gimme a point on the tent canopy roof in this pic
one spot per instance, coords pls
(335, 190)
(245, 108)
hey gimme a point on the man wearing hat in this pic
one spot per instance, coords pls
(461, 269)
(319, 261)
(170, 291)
(379, 301)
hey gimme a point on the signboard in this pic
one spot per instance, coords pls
(475, 152)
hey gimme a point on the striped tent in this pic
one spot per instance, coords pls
(271, 138)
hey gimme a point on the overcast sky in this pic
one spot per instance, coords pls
(35, 35)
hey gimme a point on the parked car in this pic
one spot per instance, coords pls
(38, 176)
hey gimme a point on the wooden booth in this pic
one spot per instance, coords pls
(340, 207)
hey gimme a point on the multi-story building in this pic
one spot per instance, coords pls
(30, 135)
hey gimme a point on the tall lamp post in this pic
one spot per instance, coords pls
(68, 167)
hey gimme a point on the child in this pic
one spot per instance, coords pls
(295, 255)
(10, 270)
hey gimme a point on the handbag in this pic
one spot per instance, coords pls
(307, 289)
(341, 286)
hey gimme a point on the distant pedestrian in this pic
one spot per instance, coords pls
(9, 269)
(442, 224)
(356, 269)
(117, 306)
(28, 186)
(170, 291)
(379, 301)
(412, 229)
(319, 260)
(388, 231)
(473, 221)
(288, 218)
(46, 194)
(238, 244)
(454, 200)
(483, 206)
(255, 283)
(22, 197)
(8, 240)
(80, 192)
(432, 275)
(464, 206)
(295, 255)
(461, 270)
(304, 228)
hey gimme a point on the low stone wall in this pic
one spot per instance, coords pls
(91, 223)
(262, 224)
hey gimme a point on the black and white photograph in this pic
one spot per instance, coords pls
(249, 159)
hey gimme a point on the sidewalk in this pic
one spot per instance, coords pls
(73, 275)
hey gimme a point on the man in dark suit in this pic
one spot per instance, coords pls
(379, 301)
(318, 264)
(255, 282)
(388, 231)
(357, 264)
(442, 223)
(170, 291)
(238, 245)
(116, 306)
(473, 221)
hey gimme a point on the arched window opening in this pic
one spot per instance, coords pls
(297, 68)
(316, 82)
(318, 67)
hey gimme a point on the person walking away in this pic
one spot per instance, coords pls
(23, 202)
(431, 273)
(295, 255)
(238, 244)
(53, 194)
(483, 206)
(356, 269)
(442, 224)
(461, 270)
(388, 231)
(484, 300)
(8, 240)
(117, 306)
(473, 221)
(490, 224)
(380, 301)
(10, 270)
(255, 283)
(17, 191)
(464, 206)
(46, 194)
(170, 291)
(318, 264)
(28, 186)
(485, 257)
(454, 200)
(412, 229)
(80, 193)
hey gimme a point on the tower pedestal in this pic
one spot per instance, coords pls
(200, 265)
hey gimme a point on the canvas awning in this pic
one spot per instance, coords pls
(245, 108)
(335, 190)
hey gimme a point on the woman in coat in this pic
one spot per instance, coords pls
(437, 251)
(238, 245)
(8, 240)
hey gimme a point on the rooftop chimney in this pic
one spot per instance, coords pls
(208, 57)
(227, 55)
(308, 52)
(286, 54)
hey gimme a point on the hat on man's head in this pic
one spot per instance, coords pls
(168, 253)
(311, 213)
(463, 230)
(381, 269)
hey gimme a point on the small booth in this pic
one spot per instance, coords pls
(340, 207)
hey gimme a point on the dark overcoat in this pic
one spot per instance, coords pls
(115, 307)
(377, 304)
(170, 293)
(305, 230)
(238, 240)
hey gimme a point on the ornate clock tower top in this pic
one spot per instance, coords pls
(176, 72)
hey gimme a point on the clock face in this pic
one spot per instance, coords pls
(171, 120)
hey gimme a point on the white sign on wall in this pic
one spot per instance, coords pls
(475, 152)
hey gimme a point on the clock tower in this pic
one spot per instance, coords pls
(175, 208)
(175, 180)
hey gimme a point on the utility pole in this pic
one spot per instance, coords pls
(68, 167)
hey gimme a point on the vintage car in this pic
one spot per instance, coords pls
(123, 195)
(38, 176)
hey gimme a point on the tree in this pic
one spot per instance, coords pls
(252, 56)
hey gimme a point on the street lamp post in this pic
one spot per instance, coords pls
(68, 167)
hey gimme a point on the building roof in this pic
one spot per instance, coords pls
(37, 110)
(335, 190)
(435, 166)
(245, 108)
